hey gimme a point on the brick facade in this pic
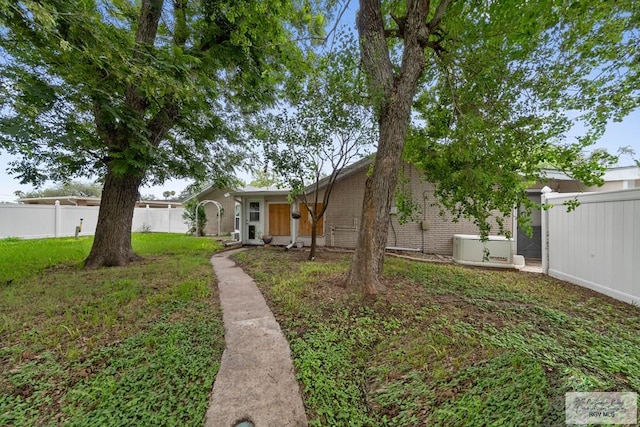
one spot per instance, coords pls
(429, 231)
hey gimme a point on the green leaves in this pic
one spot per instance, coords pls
(324, 126)
(80, 96)
(505, 89)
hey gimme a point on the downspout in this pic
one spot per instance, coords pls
(294, 232)
(424, 218)
(294, 226)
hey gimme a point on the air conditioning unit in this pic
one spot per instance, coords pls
(496, 251)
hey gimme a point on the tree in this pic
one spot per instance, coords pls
(497, 84)
(262, 178)
(168, 194)
(325, 128)
(137, 92)
(73, 188)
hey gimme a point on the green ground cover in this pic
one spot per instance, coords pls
(117, 346)
(446, 345)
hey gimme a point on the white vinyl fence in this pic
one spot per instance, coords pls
(38, 221)
(598, 244)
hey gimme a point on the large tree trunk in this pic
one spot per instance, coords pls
(392, 92)
(366, 267)
(112, 242)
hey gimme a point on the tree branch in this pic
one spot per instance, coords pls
(438, 15)
(150, 12)
(162, 122)
(374, 50)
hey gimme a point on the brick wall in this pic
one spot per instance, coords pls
(343, 215)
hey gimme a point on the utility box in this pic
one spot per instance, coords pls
(496, 251)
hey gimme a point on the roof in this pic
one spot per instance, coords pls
(622, 173)
(250, 190)
(347, 171)
(247, 190)
(611, 174)
(64, 200)
(619, 173)
(90, 201)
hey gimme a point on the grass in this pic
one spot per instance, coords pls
(120, 346)
(446, 345)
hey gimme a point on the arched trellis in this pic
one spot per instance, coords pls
(218, 205)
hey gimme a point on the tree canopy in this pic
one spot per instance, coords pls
(82, 86)
(324, 126)
(499, 97)
(139, 91)
(489, 90)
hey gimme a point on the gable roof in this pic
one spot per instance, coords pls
(611, 174)
(347, 171)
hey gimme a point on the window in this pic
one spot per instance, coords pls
(237, 218)
(254, 211)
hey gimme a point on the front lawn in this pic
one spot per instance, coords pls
(116, 346)
(447, 345)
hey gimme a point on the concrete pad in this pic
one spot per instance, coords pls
(256, 381)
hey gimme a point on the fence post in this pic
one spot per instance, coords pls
(544, 228)
(169, 213)
(57, 213)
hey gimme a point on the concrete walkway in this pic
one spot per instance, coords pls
(256, 381)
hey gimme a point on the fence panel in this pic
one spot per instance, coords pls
(597, 245)
(33, 222)
(40, 221)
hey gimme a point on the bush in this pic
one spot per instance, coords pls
(189, 216)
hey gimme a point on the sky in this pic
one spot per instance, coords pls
(623, 134)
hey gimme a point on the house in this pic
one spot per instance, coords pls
(247, 211)
(430, 230)
(258, 211)
(268, 210)
(93, 201)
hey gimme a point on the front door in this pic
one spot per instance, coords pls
(254, 222)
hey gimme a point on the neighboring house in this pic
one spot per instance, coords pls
(258, 211)
(93, 201)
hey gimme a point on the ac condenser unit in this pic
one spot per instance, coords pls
(469, 249)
